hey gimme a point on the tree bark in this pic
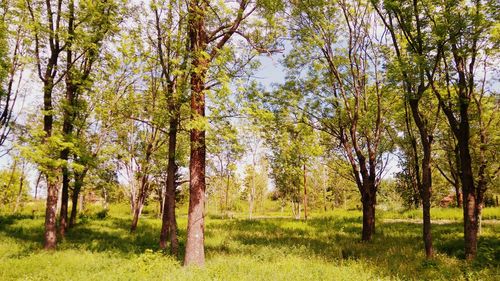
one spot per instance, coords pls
(52, 189)
(75, 196)
(63, 215)
(195, 250)
(141, 199)
(169, 223)
(426, 181)
(368, 201)
(68, 109)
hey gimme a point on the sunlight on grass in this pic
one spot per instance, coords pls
(326, 247)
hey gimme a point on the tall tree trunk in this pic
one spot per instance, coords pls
(305, 192)
(169, 222)
(68, 108)
(195, 250)
(426, 182)
(50, 241)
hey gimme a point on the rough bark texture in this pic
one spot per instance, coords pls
(368, 201)
(195, 250)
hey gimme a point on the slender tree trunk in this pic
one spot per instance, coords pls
(228, 178)
(426, 183)
(75, 196)
(50, 241)
(20, 193)
(139, 204)
(67, 122)
(37, 184)
(63, 215)
(251, 197)
(305, 192)
(169, 222)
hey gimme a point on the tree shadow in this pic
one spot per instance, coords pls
(395, 251)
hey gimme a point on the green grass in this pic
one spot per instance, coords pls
(492, 213)
(326, 247)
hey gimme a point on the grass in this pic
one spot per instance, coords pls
(326, 247)
(492, 213)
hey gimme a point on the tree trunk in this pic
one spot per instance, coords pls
(50, 215)
(471, 204)
(426, 183)
(139, 205)
(195, 250)
(305, 192)
(37, 184)
(227, 191)
(169, 223)
(63, 215)
(20, 193)
(368, 201)
(75, 196)
(251, 197)
(68, 109)
(52, 190)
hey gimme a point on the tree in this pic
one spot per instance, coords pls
(172, 56)
(210, 29)
(46, 20)
(343, 90)
(225, 150)
(416, 52)
(83, 44)
(466, 46)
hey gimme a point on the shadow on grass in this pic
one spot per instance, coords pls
(396, 249)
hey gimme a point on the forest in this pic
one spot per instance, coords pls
(249, 140)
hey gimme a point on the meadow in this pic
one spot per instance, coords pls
(325, 247)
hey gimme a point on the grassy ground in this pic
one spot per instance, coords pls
(326, 247)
